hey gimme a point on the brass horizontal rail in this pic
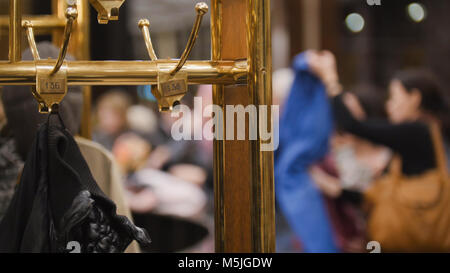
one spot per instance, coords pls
(129, 72)
(39, 21)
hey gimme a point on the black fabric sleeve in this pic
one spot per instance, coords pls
(411, 140)
(378, 131)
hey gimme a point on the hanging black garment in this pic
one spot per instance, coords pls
(58, 203)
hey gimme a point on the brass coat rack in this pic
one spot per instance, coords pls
(240, 70)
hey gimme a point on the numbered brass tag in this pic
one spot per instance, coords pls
(50, 89)
(171, 89)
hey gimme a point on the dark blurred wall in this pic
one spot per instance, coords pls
(390, 40)
(41, 6)
(437, 38)
(293, 11)
(111, 41)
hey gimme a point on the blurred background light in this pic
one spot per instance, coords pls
(417, 12)
(355, 22)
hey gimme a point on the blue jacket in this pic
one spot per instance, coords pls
(305, 128)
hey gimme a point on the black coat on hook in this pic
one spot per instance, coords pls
(58, 205)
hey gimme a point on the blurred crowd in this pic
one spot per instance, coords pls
(339, 149)
(161, 175)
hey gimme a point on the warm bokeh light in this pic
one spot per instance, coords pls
(355, 22)
(417, 12)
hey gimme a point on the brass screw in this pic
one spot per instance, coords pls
(71, 13)
(202, 8)
(143, 23)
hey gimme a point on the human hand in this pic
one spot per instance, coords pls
(159, 157)
(190, 173)
(328, 184)
(323, 65)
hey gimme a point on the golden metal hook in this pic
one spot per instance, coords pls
(31, 41)
(71, 15)
(202, 9)
(144, 25)
(172, 86)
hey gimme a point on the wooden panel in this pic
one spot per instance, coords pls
(237, 184)
(234, 30)
(234, 185)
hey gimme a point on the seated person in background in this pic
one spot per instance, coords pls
(10, 164)
(160, 175)
(111, 117)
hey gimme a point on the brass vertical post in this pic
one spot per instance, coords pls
(15, 31)
(243, 184)
(219, 150)
(260, 89)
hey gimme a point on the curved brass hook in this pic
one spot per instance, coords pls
(202, 9)
(71, 15)
(172, 86)
(144, 25)
(31, 41)
(34, 51)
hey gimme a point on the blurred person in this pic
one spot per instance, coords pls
(358, 161)
(351, 166)
(131, 152)
(10, 164)
(189, 160)
(142, 119)
(418, 113)
(160, 192)
(415, 100)
(174, 191)
(164, 176)
(191, 173)
(111, 117)
(180, 158)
